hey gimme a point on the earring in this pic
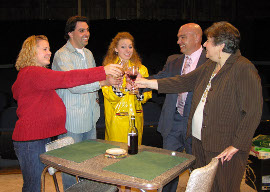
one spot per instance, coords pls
(219, 55)
(116, 53)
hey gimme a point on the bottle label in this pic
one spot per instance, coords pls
(128, 140)
(133, 144)
(130, 135)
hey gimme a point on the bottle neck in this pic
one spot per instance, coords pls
(133, 128)
(132, 123)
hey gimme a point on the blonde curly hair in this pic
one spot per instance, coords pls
(27, 55)
(111, 55)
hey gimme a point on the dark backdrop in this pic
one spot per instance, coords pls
(155, 41)
(153, 38)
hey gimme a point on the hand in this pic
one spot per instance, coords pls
(115, 81)
(139, 75)
(128, 80)
(227, 154)
(110, 80)
(113, 69)
(145, 83)
(128, 85)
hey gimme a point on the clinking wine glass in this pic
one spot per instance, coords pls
(132, 73)
(123, 69)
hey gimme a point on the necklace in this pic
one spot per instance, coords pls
(217, 68)
(205, 93)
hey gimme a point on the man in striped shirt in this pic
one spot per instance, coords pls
(82, 108)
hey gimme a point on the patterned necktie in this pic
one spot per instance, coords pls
(183, 96)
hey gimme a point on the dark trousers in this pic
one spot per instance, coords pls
(28, 155)
(229, 174)
(176, 141)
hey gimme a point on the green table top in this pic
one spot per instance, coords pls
(82, 151)
(145, 165)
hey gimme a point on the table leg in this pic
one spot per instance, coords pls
(43, 174)
(42, 187)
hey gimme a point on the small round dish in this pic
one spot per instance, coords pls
(116, 153)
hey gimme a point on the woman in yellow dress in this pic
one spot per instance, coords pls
(119, 104)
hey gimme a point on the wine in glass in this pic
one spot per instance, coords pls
(132, 73)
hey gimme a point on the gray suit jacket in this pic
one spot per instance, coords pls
(173, 67)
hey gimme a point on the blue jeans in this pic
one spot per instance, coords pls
(69, 180)
(28, 155)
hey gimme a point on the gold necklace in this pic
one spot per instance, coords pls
(217, 68)
(205, 93)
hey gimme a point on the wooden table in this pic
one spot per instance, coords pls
(93, 168)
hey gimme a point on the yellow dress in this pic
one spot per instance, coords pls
(119, 109)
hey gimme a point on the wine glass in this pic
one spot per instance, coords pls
(132, 72)
(120, 62)
(123, 63)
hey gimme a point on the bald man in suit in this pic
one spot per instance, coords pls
(172, 123)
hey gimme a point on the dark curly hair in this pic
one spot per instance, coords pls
(224, 32)
(71, 24)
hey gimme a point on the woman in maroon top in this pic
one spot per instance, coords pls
(41, 113)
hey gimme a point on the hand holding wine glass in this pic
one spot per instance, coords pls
(122, 63)
(132, 73)
(146, 83)
(123, 67)
(113, 70)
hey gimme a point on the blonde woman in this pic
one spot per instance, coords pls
(119, 105)
(41, 112)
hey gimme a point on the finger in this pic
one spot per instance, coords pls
(118, 78)
(221, 155)
(110, 72)
(116, 65)
(228, 158)
(115, 73)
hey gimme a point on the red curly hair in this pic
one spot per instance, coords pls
(111, 55)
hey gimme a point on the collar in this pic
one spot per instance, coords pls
(233, 57)
(229, 62)
(118, 60)
(196, 55)
(70, 47)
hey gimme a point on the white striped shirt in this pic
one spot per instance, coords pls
(82, 109)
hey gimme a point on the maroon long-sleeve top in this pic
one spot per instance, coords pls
(41, 112)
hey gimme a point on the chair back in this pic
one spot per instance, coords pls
(56, 145)
(201, 179)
